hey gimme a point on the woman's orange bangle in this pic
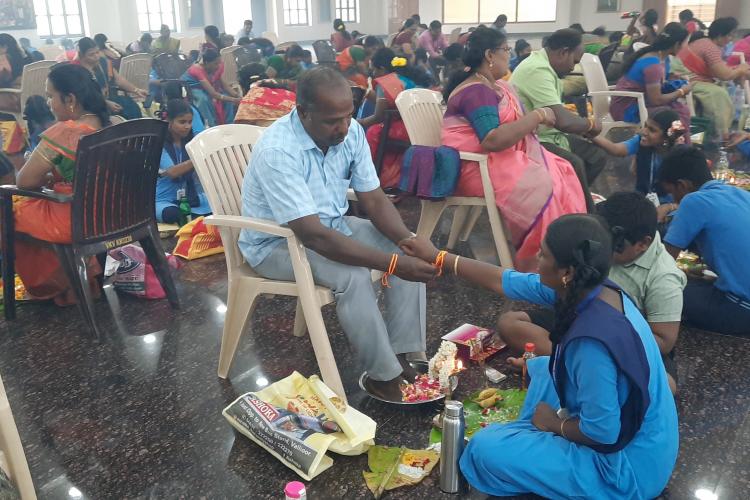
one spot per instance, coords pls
(591, 124)
(391, 270)
(439, 261)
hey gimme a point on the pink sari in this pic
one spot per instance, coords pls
(532, 186)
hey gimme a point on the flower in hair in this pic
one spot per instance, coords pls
(676, 127)
(398, 62)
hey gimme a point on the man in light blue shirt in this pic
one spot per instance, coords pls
(299, 176)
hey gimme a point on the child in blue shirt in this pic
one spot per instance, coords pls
(715, 218)
(661, 133)
(176, 168)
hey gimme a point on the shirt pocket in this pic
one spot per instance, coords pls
(337, 189)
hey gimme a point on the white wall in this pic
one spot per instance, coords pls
(568, 12)
(373, 18)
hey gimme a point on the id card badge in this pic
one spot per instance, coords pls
(653, 198)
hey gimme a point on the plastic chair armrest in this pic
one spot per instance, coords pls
(42, 194)
(620, 93)
(240, 222)
(10, 90)
(464, 155)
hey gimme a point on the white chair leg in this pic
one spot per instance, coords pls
(308, 296)
(496, 223)
(300, 325)
(476, 211)
(12, 448)
(241, 301)
(431, 212)
(459, 219)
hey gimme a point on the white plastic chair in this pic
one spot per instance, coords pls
(33, 82)
(422, 112)
(600, 93)
(190, 43)
(272, 36)
(230, 67)
(50, 52)
(136, 68)
(455, 35)
(11, 450)
(220, 156)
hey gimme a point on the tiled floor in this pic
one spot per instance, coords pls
(138, 415)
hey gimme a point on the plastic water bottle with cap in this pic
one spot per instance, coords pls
(295, 491)
(722, 165)
(528, 353)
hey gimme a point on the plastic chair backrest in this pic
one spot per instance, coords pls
(189, 43)
(422, 113)
(324, 53)
(11, 449)
(170, 66)
(455, 35)
(283, 47)
(34, 79)
(270, 35)
(135, 68)
(596, 80)
(230, 63)
(115, 184)
(246, 55)
(605, 55)
(221, 156)
(50, 52)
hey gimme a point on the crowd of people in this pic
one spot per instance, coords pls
(600, 413)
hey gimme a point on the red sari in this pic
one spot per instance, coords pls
(38, 265)
(389, 87)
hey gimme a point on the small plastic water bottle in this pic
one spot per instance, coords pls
(295, 491)
(184, 206)
(527, 355)
(722, 165)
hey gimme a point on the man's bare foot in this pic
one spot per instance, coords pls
(409, 372)
(516, 364)
(389, 389)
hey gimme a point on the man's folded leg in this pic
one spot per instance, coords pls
(356, 306)
(405, 301)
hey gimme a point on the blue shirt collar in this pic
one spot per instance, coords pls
(709, 184)
(303, 138)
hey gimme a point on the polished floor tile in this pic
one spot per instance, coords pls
(138, 414)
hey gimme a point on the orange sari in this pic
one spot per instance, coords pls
(38, 265)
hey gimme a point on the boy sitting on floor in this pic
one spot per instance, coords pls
(642, 267)
(715, 218)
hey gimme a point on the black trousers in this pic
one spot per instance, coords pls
(588, 161)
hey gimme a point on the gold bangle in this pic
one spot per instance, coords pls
(540, 114)
(562, 428)
(591, 124)
(455, 265)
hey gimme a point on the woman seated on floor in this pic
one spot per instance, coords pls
(340, 38)
(392, 75)
(176, 174)
(354, 61)
(533, 187)
(80, 109)
(265, 100)
(599, 419)
(109, 80)
(703, 58)
(214, 100)
(647, 71)
(288, 66)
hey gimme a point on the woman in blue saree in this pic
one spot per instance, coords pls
(599, 420)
